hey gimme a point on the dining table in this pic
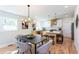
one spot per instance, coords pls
(35, 40)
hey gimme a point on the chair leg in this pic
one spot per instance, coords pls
(18, 52)
(23, 53)
(53, 42)
(30, 51)
(49, 52)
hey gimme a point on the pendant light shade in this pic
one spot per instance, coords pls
(54, 20)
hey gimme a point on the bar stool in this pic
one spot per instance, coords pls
(59, 39)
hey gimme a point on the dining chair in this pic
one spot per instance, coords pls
(23, 48)
(44, 49)
(19, 37)
(38, 37)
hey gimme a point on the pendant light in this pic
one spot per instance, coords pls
(54, 20)
(29, 19)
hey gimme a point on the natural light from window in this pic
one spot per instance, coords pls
(43, 24)
(8, 23)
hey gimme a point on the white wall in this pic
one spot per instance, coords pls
(67, 27)
(76, 30)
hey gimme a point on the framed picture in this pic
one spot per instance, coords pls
(77, 21)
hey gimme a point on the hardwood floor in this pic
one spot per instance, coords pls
(66, 48)
(7, 49)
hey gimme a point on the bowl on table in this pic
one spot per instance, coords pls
(30, 36)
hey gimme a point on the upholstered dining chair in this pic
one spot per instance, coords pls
(38, 37)
(23, 48)
(19, 37)
(44, 49)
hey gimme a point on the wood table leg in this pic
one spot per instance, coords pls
(35, 49)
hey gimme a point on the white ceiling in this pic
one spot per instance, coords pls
(40, 10)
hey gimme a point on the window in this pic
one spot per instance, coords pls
(43, 24)
(8, 23)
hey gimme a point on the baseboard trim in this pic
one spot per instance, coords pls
(67, 37)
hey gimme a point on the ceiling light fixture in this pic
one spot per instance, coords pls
(66, 6)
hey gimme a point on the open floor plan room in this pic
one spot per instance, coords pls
(39, 29)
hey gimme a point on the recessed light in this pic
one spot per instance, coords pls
(66, 6)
